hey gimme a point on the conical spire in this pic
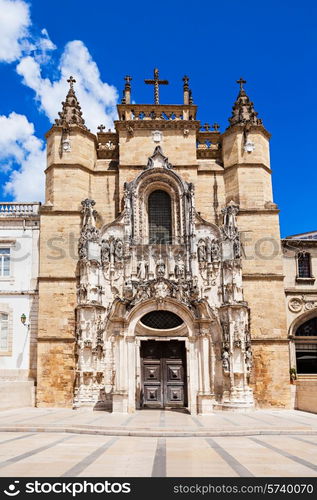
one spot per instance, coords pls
(71, 112)
(243, 109)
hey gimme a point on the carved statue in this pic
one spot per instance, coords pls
(225, 361)
(105, 252)
(82, 292)
(89, 214)
(248, 358)
(215, 251)
(118, 251)
(142, 269)
(236, 248)
(201, 251)
(82, 248)
(160, 268)
(230, 227)
(179, 269)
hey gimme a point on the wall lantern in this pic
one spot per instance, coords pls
(23, 319)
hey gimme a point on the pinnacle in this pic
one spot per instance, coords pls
(243, 111)
(71, 113)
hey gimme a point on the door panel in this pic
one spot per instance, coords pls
(163, 374)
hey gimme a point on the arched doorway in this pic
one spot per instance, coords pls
(306, 347)
(163, 362)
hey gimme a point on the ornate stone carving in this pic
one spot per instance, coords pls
(160, 268)
(89, 233)
(230, 228)
(225, 361)
(158, 159)
(179, 269)
(297, 304)
(202, 251)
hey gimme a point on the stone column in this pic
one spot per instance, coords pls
(131, 372)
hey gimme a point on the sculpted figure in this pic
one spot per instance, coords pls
(215, 251)
(142, 269)
(160, 268)
(236, 248)
(179, 267)
(118, 251)
(248, 358)
(202, 255)
(225, 361)
(105, 251)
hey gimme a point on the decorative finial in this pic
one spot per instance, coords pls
(241, 82)
(206, 126)
(156, 82)
(127, 79)
(216, 127)
(71, 80)
(101, 128)
(185, 80)
(243, 111)
(71, 113)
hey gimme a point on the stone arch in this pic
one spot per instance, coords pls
(302, 318)
(303, 347)
(159, 178)
(169, 304)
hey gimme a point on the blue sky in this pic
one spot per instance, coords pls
(271, 44)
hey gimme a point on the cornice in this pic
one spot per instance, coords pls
(50, 211)
(157, 124)
(57, 278)
(269, 340)
(56, 339)
(78, 166)
(260, 276)
(249, 165)
(250, 211)
(240, 127)
(75, 128)
(288, 242)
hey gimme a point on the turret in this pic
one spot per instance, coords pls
(70, 144)
(246, 156)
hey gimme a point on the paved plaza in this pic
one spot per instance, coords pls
(57, 442)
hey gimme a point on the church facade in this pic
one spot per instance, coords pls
(161, 281)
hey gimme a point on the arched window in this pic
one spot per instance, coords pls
(161, 320)
(303, 265)
(160, 218)
(4, 332)
(306, 347)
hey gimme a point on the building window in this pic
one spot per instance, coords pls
(306, 347)
(4, 262)
(4, 332)
(160, 218)
(161, 320)
(303, 265)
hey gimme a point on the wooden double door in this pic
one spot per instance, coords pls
(163, 374)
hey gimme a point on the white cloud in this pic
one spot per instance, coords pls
(22, 154)
(14, 24)
(97, 99)
(19, 145)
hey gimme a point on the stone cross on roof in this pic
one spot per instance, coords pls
(71, 80)
(101, 128)
(216, 126)
(241, 82)
(156, 82)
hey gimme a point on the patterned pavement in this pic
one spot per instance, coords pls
(64, 443)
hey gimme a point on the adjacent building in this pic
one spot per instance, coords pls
(19, 260)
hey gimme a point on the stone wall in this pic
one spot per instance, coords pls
(306, 394)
